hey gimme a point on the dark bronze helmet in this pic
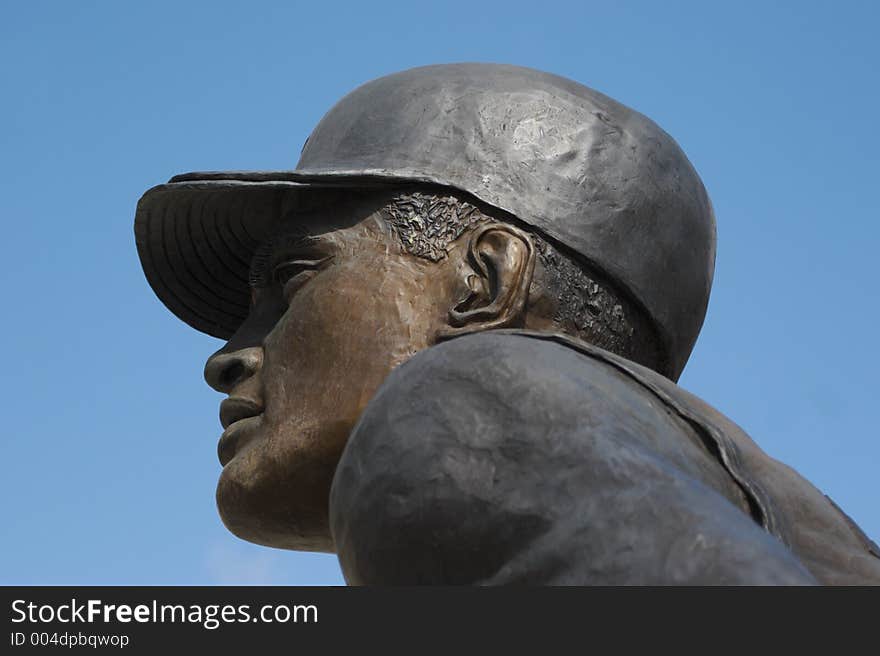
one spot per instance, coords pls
(567, 161)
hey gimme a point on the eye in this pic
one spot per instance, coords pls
(293, 274)
(290, 268)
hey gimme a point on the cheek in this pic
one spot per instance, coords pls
(342, 334)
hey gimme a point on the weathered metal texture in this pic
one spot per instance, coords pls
(577, 166)
(454, 475)
(521, 457)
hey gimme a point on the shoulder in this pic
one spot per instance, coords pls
(527, 397)
(475, 447)
(518, 371)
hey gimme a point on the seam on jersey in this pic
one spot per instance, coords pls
(759, 501)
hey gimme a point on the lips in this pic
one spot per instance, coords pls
(236, 409)
(239, 418)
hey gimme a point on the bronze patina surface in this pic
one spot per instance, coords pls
(454, 332)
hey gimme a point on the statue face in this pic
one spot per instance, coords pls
(342, 306)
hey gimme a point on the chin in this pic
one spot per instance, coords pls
(255, 507)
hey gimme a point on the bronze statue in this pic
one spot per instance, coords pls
(454, 332)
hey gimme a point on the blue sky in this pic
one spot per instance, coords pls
(109, 432)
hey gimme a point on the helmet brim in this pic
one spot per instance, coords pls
(196, 235)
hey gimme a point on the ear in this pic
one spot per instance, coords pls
(501, 262)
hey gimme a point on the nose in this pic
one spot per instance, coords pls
(225, 370)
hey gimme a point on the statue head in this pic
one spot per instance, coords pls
(433, 203)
